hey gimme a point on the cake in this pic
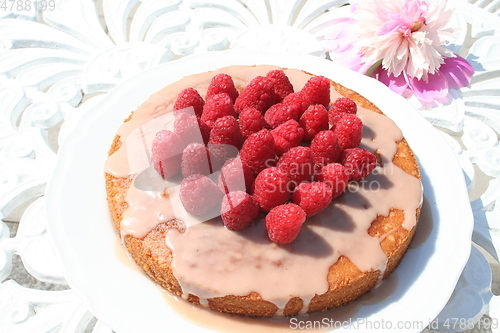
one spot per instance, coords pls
(340, 252)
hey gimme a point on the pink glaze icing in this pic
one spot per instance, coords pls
(211, 261)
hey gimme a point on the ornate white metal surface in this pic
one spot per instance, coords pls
(58, 58)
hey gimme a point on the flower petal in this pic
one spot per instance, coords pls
(435, 88)
(397, 84)
(457, 71)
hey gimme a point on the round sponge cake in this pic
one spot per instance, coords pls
(340, 253)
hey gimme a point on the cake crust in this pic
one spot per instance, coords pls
(346, 282)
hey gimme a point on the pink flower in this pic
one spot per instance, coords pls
(401, 43)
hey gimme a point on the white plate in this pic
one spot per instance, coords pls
(127, 301)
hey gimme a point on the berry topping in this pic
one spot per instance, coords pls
(238, 210)
(358, 162)
(258, 151)
(344, 104)
(283, 223)
(199, 194)
(341, 106)
(165, 153)
(226, 130)
(335, 175)
(325, 148)
(217, 106)
(282, 85)
(298, 100)
(281, 113)
(317, 91)
(349, 131)
(251, 121)
(298, 164)
(222, 83)
(195, 160)
(235, 176)
(286, 136)
(219, 154)
(313, 121)
(259, 94)
(312, 197)
(270, 188)
(187, 99)
(190, 128)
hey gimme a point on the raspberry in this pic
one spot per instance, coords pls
(259, 94)
(313, 121)
(325, 148)
(216, 107)
(349, 130)
(335, 175)
(298, 100)
(344, 104)
(226, 130)
(281, 113)
(282, 85)
(166, 154)
(190, 129)
(235, 176)
(199, 194)
(283, 223)
(222, 83)
(258, 151)
(317, 91)
(251, 121)
(219, 154)
(298, 164)
(238, 210)
(270, 188)
(341, 106)
(312, 197)
(189, 98)
(195, 160)
(358, 162)
(286, 136)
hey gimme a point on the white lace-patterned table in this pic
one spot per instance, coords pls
(58, 58)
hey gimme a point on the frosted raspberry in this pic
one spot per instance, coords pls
(258, 151)
(199, 194)
(238, 210)
(317, 91)
(226, 130)
(314, 120)
(282, 85)
(281, 113)
(216, 107)
(341, 106)
(312, 197)
(270, 188)
(235, 176)
(195, 160)
(358, 162)
(298, 100)
(187, 98)
(219, 154)
(345, 104)
(335, 175)
(298, 164)
(166, 153)
(222, 83)
(349, 131)
(251, 121)
(190, 129)
(283, 223)
(259, 94)
(325, 148)
(286, 136)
